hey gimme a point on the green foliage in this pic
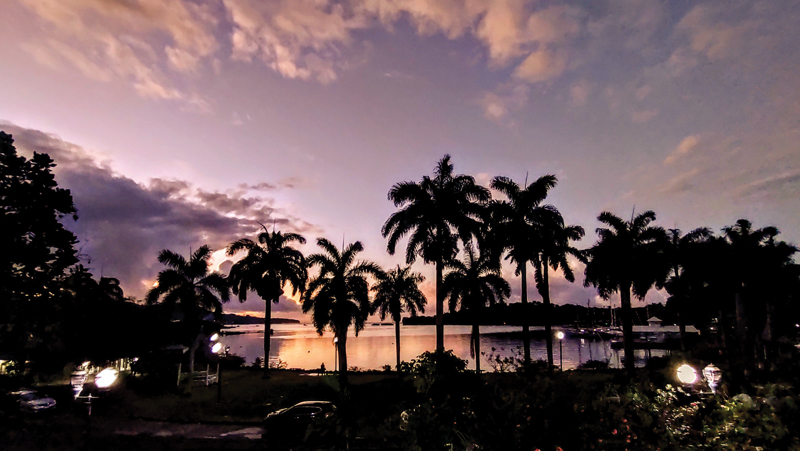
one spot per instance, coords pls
(670, 418)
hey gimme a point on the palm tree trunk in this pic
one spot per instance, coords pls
(627, 326)
(341, 348)
(476, 343)
(548, 330)
(439, 308)
(397, 342)
(526, 334)
(267, 335)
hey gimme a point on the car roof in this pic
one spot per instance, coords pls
(312, 403)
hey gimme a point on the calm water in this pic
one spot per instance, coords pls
(300, 346)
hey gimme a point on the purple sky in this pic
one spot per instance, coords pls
(177, 123)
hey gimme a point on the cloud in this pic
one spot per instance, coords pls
(541, 65)
(710, 35)
(786, 183)
(640, 117)
(681, 183)
(497, 106)
(123, 225)
(579, 92)
(125, 41)
(686, 146)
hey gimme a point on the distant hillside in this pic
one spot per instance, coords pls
(232, 318)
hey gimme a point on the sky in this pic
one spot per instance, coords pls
(178, 123)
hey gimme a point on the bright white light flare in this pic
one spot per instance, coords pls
(214, 337)
(217, 346)
(105, 378)
(560, 335)
(687, 374)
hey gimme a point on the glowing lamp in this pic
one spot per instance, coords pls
(712, 375)
(560, 335)
(216, 348)
(687, 374)
(105, 378)
(214, 337)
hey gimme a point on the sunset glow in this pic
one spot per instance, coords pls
(181, 123)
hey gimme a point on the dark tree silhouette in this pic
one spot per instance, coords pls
(35, 248)
(682, 252)
(397, 291)
(554, 244)
(628, 256)
(436, 212)
(189, 287)
(266, 268)
(471, 284)
(758, 266)
(520, 222)
(338, 297)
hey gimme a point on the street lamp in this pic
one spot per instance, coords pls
(560, 336)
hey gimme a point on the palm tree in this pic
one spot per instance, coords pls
(471, 284)
(267, 267)
(437, 212)
(627, 256)
(398, 291)
(682, 252)
(189, 286)
(338, 296)
(755, 262)
(554, 248)
(521, 219)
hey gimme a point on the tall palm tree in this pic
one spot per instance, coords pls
(268, 266)
(682, 251)
(396, 292)
(554, 249)
(436, 212)
(190, 287)
(755, 262)
(338, 297)
(627, 256)
(471, 284)
(521, 219)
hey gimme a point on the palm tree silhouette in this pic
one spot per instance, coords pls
(682, 250)
(755, 260)
(436, 212)
(268, 266)
(520, 221)
(627, 256)
(338, 296)
(395, 292)
(190, 287)
(554, 241)
(471, 284)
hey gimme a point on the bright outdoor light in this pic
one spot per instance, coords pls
(560, 335)
(217, 346)
(214, 337)
(687, 374)
(105, 378)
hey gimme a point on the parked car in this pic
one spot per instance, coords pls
(32, 401)
(291, 424)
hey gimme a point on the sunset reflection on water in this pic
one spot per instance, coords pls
(299, 346)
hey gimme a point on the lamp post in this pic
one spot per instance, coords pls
(335, 353)
(560, 336)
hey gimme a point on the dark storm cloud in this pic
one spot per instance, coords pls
(123, 225)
